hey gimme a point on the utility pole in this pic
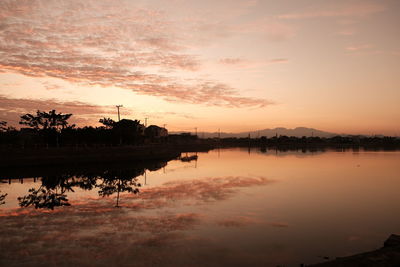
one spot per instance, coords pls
(145, 122)
(164, 126)
(249, 143)
(195, 130)
(118, 106)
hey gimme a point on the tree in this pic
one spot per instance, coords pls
(46, 120)
(3, 126)
(107, 122)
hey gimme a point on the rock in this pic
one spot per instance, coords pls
(392, 241)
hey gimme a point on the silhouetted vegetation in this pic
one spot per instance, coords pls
(46, 120)
(292, 142)
(43, 198)
(3, 126)
(52, 129)
(54, 187)
(2, 198)
(118, 182)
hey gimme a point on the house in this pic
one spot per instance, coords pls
(156, 133)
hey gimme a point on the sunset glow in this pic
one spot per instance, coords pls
(234, 65)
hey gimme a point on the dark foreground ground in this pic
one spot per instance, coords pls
(18, 157)
(387, 256)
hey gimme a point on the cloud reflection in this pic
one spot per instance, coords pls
(116, 236)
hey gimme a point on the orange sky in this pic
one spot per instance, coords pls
(235, 65)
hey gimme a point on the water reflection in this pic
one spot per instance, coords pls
(2, 198)
(109, 181)
(44, 198)
(119, 181)
(233, 210)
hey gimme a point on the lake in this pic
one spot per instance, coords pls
(235, 207)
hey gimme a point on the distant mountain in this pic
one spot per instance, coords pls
(298, 132)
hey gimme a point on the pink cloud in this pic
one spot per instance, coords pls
(232, 61)
(83, 113)
(99, 43)
(354, 48)
(245, 63)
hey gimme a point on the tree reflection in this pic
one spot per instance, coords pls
(118, 182)
(54, 188)
(2, 198)
(43, 198)
(50, 194)
(108, 180)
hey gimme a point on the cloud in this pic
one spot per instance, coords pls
(83, 114)
(355, 48)
(232, 61)
(162, 114)
(278, 60)
(108, 44)
(51, 86)
(337, 9)
(237, 221)
(246, 63)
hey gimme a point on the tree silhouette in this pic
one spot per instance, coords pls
(49, 124)
(107, 122)
(46, 120)
(50, 194)
(119, 181)
(3, 126)
(43, 198)
(2, 197)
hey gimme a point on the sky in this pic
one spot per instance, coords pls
(227, 64)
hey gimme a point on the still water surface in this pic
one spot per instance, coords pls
(230, 207)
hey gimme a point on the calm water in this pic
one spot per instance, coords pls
(230, 207)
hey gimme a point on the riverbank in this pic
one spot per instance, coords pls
(11, 157)
(387, 256)
(34, 157)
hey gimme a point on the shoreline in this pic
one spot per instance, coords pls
(42, 157)
(388, 255)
